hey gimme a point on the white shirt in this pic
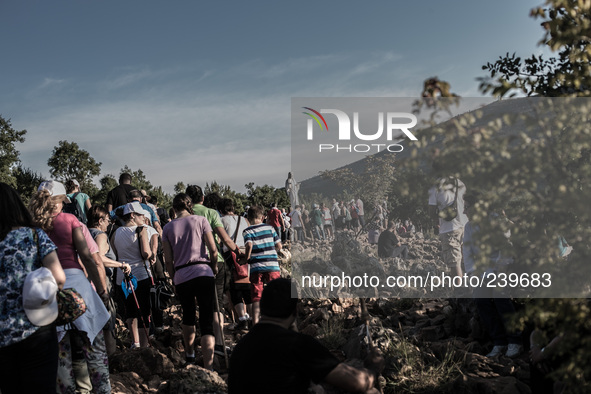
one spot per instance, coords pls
(229, 222)
(443, 197)
(128, 250)
(360, 207)
(296, 218)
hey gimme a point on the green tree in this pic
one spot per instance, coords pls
(9, 155)
(557, 161)
(240, 200)
(402, 201)
(27, 181)
(568, 33)
(138, 179)
(179, 187)
(107, 183)
(141, 182)
(214, 187)
(532, 162)
(265, 195)
(69, 161)
(316, 198)
(164, 199)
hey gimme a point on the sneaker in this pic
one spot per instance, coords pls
(514, 350)
(135, 345)
(190, 359)
(219, 350)
(496, 351)
(241, 325)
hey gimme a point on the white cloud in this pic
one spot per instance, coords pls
(47, 82)
(128, 76)
(299, 65)
(374, 63)
(216, 131)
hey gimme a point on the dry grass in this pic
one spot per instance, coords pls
(332, 332)
(412, 371)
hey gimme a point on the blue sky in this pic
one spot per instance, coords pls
(197, 91)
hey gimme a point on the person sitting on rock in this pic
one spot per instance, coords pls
(389, 245)
(373, 231)
(274, 358)
(410, 227)
(401, 228)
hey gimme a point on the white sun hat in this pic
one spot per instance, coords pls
(39, 297)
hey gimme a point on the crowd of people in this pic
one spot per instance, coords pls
(324, 220)
(114, 255)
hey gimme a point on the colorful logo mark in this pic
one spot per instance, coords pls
(316, 117)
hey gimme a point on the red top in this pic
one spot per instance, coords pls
(274, 217)
(61, 235)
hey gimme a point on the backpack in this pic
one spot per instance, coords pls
(75, 209)
(162, 216)
(286, 221)
(348, 217)
(305, 217)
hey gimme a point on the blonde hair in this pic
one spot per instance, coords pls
(41, 207)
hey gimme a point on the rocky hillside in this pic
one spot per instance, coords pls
(430, 345)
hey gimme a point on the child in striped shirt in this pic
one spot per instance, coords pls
(262, 244)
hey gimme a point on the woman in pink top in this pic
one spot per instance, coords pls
(185, 241)
(65, 231)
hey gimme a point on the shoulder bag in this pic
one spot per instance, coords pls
(70, 304)
(240, 266)
(450, 212)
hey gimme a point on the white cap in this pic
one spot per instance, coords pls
(54, 188)
(75, 182)
(39, 297)
(134, 207)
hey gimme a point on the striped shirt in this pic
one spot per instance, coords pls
(263, 256)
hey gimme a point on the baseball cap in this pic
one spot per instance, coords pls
(147, 215)
(75, 182)
(54, 188)
(134, 207)
(39, 297)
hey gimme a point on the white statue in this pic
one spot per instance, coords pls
(292, 188)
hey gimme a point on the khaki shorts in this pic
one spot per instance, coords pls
(451, 245)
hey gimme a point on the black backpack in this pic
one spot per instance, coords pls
(162, 216)
(75, 209)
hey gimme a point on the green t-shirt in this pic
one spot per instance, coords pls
(213, 217)
(81, 202)
(317, 217)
